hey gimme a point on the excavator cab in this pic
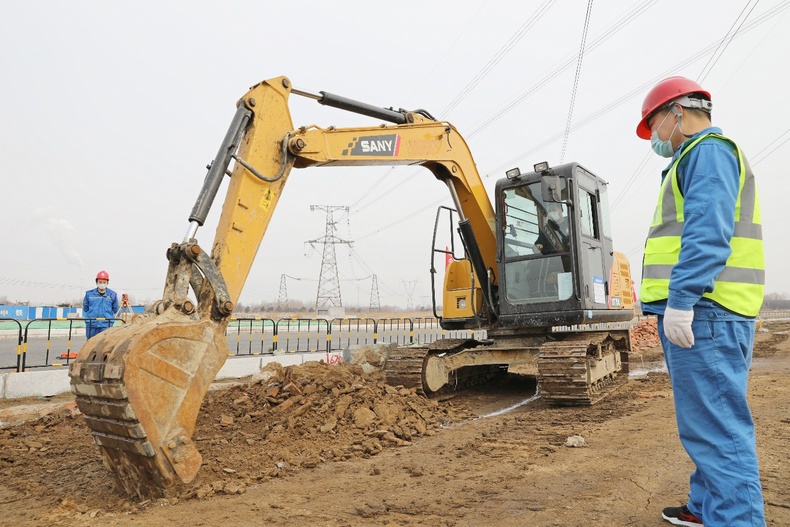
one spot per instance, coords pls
(554, 246)
(555, 265)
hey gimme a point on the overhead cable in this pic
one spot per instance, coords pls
(576, 81)
(714, 58)
(600, 39)
(758, 159)
(596, 42)
(621, 99)
(500, 54)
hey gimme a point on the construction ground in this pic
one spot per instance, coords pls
(329, 446)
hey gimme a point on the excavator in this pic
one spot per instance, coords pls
(538, 273)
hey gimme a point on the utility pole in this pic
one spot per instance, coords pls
(328, 281)
(282, 298)
(375, 302)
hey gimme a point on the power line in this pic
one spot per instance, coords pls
(403, 218)
(743, 29)
(716, 55)
(734, 71)
(756, 160)
(638, 90)
(384, 176)
(625, 188)
(600, 39)
(603, 37)
(365, 266)
(499, 55)
(576, 81)
(441, 58)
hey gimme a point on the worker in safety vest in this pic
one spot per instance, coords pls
(100, 302)
(703, 274)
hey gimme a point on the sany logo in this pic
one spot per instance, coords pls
(374, 145)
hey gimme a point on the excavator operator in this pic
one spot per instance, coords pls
(553, 235)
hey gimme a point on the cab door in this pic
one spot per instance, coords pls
(594, 247)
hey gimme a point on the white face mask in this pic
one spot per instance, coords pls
(555, 215)
(663, 148)
(101, 287)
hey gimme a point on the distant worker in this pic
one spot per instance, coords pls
(100, 302)
(703, 275)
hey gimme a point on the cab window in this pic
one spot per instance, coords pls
(536, 236)
(588, 217)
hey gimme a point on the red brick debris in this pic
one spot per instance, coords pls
(644, 335)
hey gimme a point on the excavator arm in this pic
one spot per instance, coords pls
(270, 148)
(140, 386)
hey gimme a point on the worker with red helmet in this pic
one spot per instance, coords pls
(703, 275)
(99, 306)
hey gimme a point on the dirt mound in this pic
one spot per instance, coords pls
(300, 416)
(283, 421)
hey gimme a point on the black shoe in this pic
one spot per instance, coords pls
(680, 516)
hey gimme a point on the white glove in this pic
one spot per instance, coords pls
(677, 326)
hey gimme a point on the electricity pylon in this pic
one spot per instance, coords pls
(328, 281)
(282, 298)
(409, 286)
(375, 302)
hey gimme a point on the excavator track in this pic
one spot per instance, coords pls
(406, 366)
(580, 369)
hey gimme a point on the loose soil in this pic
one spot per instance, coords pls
(331, 446)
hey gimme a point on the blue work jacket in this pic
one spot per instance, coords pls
(98, 305)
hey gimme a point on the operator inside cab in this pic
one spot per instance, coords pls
(554, 231)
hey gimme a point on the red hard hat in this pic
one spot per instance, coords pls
(664, 92)
(103, 276)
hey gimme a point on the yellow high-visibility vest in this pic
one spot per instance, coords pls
(740, 286)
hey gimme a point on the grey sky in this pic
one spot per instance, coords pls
(110, 112)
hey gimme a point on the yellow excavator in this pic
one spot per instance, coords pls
(538, 274)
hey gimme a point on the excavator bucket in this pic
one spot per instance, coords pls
(140, 387)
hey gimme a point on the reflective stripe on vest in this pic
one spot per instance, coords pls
(740, 286)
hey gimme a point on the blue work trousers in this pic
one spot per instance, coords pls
(94, 327)
(709, 383)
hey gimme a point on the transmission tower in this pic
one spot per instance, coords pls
(282, 298)
(375, 302)
(409, 286)
(328, 282)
